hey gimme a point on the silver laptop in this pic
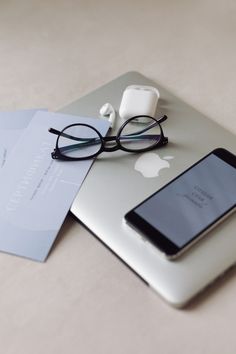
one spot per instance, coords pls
(116, 183)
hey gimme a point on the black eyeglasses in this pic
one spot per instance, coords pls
(82, 141)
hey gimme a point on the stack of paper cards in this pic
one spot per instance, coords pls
(36, 191)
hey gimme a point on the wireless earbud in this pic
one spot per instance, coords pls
(108, 110)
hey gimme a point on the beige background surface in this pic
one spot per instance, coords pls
(83, 299)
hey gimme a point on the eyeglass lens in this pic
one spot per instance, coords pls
(140, 133)
(79, 141)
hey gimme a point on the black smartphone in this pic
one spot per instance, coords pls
(185, 209)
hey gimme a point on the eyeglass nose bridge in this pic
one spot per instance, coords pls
(108, 140)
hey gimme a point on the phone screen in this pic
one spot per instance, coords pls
(192, 202)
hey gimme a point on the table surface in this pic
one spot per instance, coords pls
(83, 299)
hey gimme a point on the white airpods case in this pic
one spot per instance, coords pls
(139, 100)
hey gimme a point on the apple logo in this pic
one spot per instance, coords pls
(149, 164)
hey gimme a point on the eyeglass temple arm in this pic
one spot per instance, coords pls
(162, 119)
(54, 131)
(57, 132)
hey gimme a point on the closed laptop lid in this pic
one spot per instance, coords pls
(118, 181)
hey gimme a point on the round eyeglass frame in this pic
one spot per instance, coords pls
(56, 154)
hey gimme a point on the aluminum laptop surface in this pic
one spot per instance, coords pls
(113, 186)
